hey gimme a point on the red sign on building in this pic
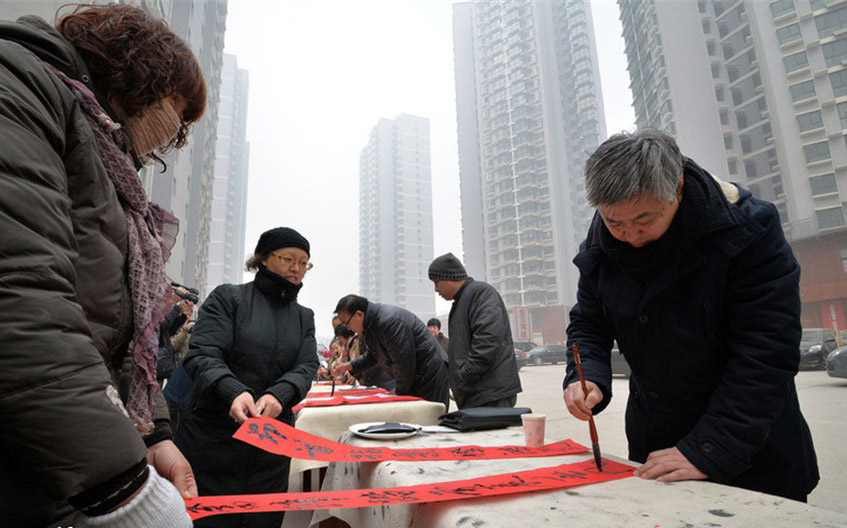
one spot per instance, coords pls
(832, 316)
(521, 323)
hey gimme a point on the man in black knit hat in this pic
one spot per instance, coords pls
(482, 367)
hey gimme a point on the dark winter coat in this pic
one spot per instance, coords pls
(712, 337)
(166, 360)
(373, 377)
(65, 311)
(481, 352)
(247, 338)
(398, 341)
(443, 342)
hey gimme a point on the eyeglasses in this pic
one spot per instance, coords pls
(347, 324)
(305, 265)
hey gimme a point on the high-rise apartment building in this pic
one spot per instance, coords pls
(185, 188)
(395, 215)
(529, 112)
(756, 92)
(229, 194)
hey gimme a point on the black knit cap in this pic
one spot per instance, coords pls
(280, 237)
(447, 267)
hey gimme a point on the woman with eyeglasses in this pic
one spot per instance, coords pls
(252, 352)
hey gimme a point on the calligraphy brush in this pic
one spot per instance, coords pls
(332, 393)
(595, 445)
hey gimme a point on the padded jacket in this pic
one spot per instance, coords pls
(65, 309)
(398, 341)
(481, 352)
(713, 343)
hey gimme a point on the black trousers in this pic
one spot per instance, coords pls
(225, 466)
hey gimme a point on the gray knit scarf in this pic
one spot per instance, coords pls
(151, 232)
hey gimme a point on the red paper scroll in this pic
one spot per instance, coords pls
(558, 477)
(346, 392)
(341, 399)
(282, 439)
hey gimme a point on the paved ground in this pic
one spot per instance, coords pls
(823, 400)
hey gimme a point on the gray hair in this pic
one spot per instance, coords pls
(646, 162)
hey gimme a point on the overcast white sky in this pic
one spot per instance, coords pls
(322, 73)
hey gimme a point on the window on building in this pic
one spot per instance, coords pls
(707, 27)
(719, 93)
(810, 120)
(724, 115)
(795, 62)
(732, 165)
(746, 145)
(727, 142)
(834, 52)
(741, 118)
(737, 96)
(823, 184)
(818, 4)
(710, 48)
(829, 218)
(716, 71)
(803, 90)
(842, 113)
(817, 152)
(732, 73)
(839, 83)
(781, 7)
(829, 23)
(843, 254)
(788, 33)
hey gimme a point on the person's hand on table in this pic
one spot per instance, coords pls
(669, 465)
(341, 367)
(269, 406)
(243, 407)
(171, 464)
(580, 404)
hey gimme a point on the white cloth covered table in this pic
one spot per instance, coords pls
(627, 502)
(332, 422)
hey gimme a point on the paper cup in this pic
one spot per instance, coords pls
(533, 429)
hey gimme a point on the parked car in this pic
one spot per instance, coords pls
(620, 367)
(815, 346)
(836, 363)
(521, 348)
(546, 354)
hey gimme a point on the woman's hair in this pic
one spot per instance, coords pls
(254, 262)
(342, 331)
(137, 60)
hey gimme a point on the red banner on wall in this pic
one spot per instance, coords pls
(282, 439)
(558, 477)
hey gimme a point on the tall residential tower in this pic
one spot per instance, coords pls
(756, 92)
(229, 194)
(395, 215)
(529, 112)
